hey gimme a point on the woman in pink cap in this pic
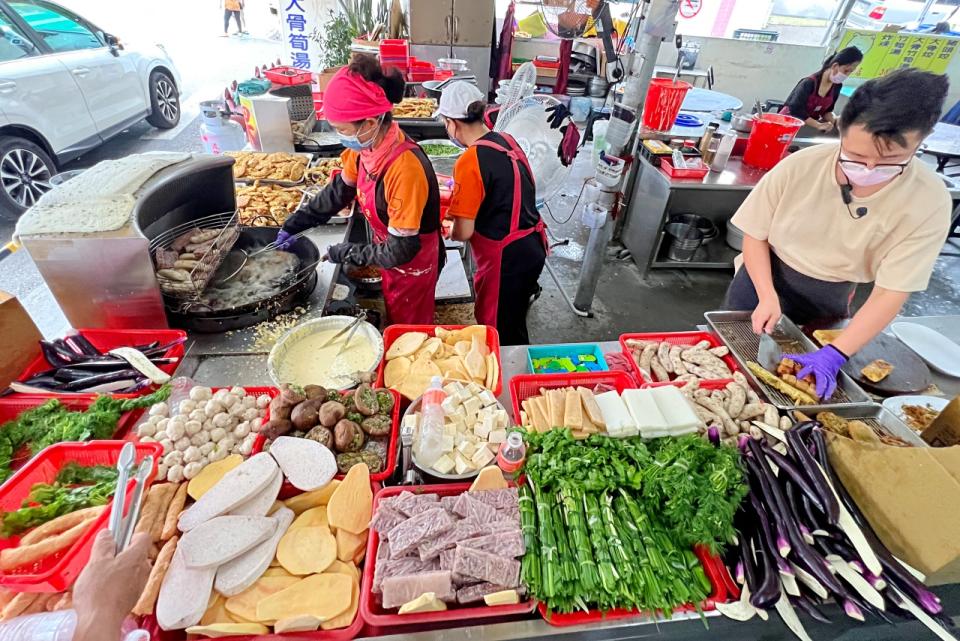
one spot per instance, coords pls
(394, 185)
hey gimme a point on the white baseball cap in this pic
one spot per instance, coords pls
(455, 99)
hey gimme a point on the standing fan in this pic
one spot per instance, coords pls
(572, 18)
(511, 93)
(528, 122)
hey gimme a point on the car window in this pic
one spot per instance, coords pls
(14, 45)
(60, 30)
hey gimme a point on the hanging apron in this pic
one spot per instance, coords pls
(409, 289)
(803, 299)
(817, 105)
(488, 252)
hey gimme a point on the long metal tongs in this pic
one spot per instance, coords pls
(122, 527)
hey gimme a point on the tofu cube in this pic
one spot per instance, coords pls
(472, 406)
(481, 457)
(449, 405)
(497, 436)
(446, 443)
(466, 448)
(444, 464)
(452, 388)
(474, 388)
(487, 398)
(502, 419)
(482, 430)
(450, 430)
(462, 465)
(460, 424)
(410, 421)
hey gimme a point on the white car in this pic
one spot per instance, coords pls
(66, 86)
(876, 14)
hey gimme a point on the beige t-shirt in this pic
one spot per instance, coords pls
(797, 208)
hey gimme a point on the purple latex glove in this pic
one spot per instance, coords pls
(824, 364)
(283, 240)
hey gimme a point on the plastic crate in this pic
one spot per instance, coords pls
(394, 48)
(419, 70)
(107, 339)
(666, 164)
(391, 333)
(288, 76)
(674, 338)
(287, 490)
(571, 350)
(524, 386)
(456, 615)
(711, 566)
(57, 572)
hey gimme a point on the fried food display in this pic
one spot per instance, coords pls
(415, 108)
(251, 165)
(320, 173)
(266, 205)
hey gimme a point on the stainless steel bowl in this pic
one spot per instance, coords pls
(289, 341)
(743, 122)
(446, 143)
(413, 409)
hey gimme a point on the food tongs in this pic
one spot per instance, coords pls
(122, 528)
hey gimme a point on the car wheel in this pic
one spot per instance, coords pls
(25, 173)
(164, 101)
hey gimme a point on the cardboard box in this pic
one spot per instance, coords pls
(905, 493)
(945, 429)
(20, 336)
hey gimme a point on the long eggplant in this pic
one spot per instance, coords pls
(768, 591)
(54, 355)
(80, 345)
(100, 379)
(799, 449)
(802, 602)
(797, 476)
(774, 544)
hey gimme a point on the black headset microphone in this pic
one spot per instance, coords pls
(847, 197)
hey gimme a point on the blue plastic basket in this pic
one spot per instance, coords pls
(574, 351)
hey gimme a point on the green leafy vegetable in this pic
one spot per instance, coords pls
(440, 150)
(52, 423)
(49, 501)
(76, 474)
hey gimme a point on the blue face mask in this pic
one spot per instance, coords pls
(454, 140)
(354, 143)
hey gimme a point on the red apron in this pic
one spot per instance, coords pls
(408, 290)
(817, 105)
(487, 252)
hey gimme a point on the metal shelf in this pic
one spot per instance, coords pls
(714, 255)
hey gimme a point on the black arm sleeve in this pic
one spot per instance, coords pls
(322, 207)
(797, 100)
(397, 251)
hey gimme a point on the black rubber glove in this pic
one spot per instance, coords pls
(396, 251)
(558, 113)
(321, 208)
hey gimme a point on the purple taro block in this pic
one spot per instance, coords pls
(467, 506)
(398, 590)
(465, 529)
(418, 529)
(486, 567)
(498, 499)
(400, 567)
(385, 520)
(505, 544)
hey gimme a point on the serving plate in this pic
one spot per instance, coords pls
(940, 353)
(895, 404)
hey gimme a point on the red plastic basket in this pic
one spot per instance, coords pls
(711, 567)
(107, 339)
(288, 76)
(524, 386)
(287, 490)
(391, 333)
(674, 338)
(691, 172)
(393, 48)
(376, 616)
(57, 572)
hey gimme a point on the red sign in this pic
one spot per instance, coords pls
(690, 8)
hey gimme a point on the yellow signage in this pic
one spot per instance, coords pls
(885, 52)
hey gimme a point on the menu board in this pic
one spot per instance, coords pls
(884, 52)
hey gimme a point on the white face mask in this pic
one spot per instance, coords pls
(863, 176)
(838, 78)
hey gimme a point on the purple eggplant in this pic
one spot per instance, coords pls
(163, 349)
(799, 449)
(768, 590)
(91, 382)
(797, 476)
(53, 355)
(807, 606)
(775, 544)
(81, 345)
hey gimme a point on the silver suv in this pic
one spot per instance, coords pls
(66, 86)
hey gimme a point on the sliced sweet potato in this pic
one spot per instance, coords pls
(341, 567)
(216, 611)
(314, 517)
(344, 619)
(303, 502)
(218, 630)
(351, 506)
(349, 544)
(244, 605)
(307, 550)
(320, 595)
(301, 623)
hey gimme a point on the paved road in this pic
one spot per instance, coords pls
(190, 30)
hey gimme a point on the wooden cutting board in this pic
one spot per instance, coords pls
(910, 374)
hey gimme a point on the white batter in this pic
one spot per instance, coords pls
(306, 363)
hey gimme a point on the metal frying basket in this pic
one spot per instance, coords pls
(207, 263)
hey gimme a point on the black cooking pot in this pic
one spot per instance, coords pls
(295, 293)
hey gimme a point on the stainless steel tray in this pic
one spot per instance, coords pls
(876, 416)
(736, 332)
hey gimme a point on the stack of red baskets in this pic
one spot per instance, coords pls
(395, 52)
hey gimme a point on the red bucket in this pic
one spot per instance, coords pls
(768, 141)
(664, 98)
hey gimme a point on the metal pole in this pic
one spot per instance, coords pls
(926, 9)
(832, 36)
(593, 256)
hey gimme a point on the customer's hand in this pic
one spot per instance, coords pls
(766, 316)
(826, 126)
(109, 586)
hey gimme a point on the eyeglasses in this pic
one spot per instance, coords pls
(891, 169)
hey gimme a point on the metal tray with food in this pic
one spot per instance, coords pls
(321, 170)
(270, 168)
(415, 109)
(736, 331)
(878, 418)
(265, 204)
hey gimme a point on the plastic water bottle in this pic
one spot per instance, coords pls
(429, 447)
(58, 626)
(511, 456)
